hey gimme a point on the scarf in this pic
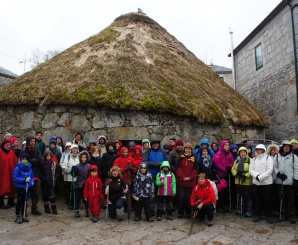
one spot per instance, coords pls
(240, 166)
(206, 161)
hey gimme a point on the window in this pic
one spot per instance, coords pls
(222, 78)
(259, 58)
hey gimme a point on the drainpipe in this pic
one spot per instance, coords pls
(294, 44)
(233, 64)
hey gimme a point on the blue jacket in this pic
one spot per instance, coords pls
(154, 158)
(197, 151)
(20, 173)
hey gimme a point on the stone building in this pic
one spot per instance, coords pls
(6, 76)
(131, 81)
(224, 73)
(266, 70)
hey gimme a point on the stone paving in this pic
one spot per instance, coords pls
(65, 229)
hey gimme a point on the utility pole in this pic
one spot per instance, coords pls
(232, 56)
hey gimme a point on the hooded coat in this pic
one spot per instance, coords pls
(20, 173)
(102, 146)
(202, 194)
(8, 162)
(108, 159)
(93, 192)
(206, 165)
(49, 173)
(122, 162)
(168, 188)
(223, 159)
(82, 170)
(247, 162)
(143, 185)
(69, 161)
(187, 168)
(137, 159)
(197, 151)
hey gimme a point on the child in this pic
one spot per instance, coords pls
(143, 190)
(124, 162)
(243, 182)
(166, 183)
(48, 174)
(23, 178)
(93, 192)
(81, 171)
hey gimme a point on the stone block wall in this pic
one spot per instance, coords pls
(65, 121)
(272, 88)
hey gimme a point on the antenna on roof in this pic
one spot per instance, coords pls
(141, 12)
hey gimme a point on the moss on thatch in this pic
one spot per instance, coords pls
(133, 64)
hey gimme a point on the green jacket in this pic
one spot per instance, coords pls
(247, 162)
(169, 180)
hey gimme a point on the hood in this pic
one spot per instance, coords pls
(222, 146)
(143, 165)
(270, 147)
(123, 149)
(60, 137)
(154, 140)
(138, 147)
(120, 143)
(101, 136)
(13, 140)
(205, 141)
(91, 168)
(215, 142)
(28, 140)
(285, 142)
(234, 146)
(242, 148)
(112, 143)
(85, 153)
(165, 164)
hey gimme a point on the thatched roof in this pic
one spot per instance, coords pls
(133, 64)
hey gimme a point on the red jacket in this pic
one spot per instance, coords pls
(8, 162)
(122, 162)
(202, 194)
(137, 159)
(187, 169)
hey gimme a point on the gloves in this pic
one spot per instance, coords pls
(257, 178)
(128, 168)
(33, 160)
(194, 208)
(27, 180)
(128, 183)
(283, 177)
(73, 169)
(238, 176)
(242, 177)
(107, 182)
(228, 169)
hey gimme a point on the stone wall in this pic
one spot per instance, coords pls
(4, 80)
(272, 88)
(227, 78)
(115, 125)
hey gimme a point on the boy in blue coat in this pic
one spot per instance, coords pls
(23, 179)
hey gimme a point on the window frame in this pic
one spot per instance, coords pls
(259, 46)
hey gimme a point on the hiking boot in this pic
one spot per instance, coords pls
(269, 219)
(120, 218)
(158, 218)
(180, 216)
(18, 220)
(210, 223)
(238, 212)
(137, 218)
(54, 209)
(150, 220)
(248, 214)
(4, 206)
(169, 217)
(24, 219)
(292, 220)
(282, 218)
(94, 219)
(47, 209)
(36, 212)
(256, 218)
(77, 214)
(87, 213)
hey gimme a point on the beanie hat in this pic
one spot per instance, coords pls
(24, 155)
(52, 138)
(188, 145)
(13, 140)
(155, 140)
(7, 134)
(179, 142)
(166, 147)
(24, 142)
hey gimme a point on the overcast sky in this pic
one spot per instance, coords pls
(201, 25)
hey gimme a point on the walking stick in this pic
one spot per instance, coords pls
(193, 221)
(230, 198)
(74, 193)
(241, 198)
(128, 200)
(25, 203)
(107, 203)
(281, 193)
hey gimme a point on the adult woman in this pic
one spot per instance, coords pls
(116, 188)
(96, 159)
(186, 180)
(203, 198)
(8, 162)
(261, 169)
(206, 164)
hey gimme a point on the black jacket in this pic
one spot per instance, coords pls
(98, 162)
(46, 174)
(108, 159)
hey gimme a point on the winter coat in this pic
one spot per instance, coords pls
(137, 159)
(202, 194)
(122, 162)
(207, 166)
(82, 173)
(247, 162)
(154, 158)
(197, 151)
(261, 165)
(143, 185)
(102, 147)
(108, 159)
(174, 159)
(20, 173)
(48, 174)
(69, 161)
(8, 162)
(39, 145)
(169, 180)
(223, 159)
(116, 189)
(287, 165)
(56, 152)
(97, 161)
(35, 157)
(187, 168)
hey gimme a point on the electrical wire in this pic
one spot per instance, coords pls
(16, 43)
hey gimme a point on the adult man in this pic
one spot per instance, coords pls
(36, 161)
(78, 140)
(39, 145)
(172, 143)
(102, 144)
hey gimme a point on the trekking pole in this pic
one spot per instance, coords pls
(74, 193)
(128, 199)
(107, 203)
(25, 203)
(237, 204)
(230, 197)
(241, 198)
(281, 193)
(193, 221)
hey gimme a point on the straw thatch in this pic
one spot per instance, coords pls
(133, 64)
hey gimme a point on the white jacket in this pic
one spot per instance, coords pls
(261, 165)
(68, 162)
(287, 165)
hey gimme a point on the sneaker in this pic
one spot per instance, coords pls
(210, 223)
(169, 217)
(77, 214)
(24, 219)
(18, 220)
(36, 212)
(248, 214)
(137, 218)
(158, 218)
(238, 212)
(94, 219)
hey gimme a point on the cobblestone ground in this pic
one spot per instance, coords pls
(65, 229)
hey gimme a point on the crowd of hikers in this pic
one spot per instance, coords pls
(198, 180)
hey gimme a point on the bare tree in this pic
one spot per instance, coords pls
(39, 57)
(208, 56)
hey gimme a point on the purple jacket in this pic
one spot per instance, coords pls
(223, 159)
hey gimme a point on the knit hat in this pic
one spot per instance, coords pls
(154, 140)
(24, 142)
(24, 155)
(51, 139)
(179, 142)
(13, 140)
(188, 145)
(131, 144)
(166, 147)
(7, 134)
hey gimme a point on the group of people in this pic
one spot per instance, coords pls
(177, 175)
